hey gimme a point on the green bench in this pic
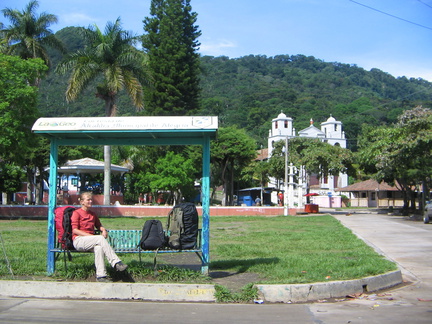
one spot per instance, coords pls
(127, 241)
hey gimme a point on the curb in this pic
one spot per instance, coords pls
(323, 290)
(194, 293)
(99, 290)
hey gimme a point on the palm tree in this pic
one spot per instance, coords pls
(29, 35)
(112, 58)
(3, 43)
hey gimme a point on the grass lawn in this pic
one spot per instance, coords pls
(284, 250)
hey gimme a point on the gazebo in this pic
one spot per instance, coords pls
(71, 186)
(176, 130)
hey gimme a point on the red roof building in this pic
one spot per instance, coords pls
(370, 193)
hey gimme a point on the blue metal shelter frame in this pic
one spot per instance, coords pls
(183, 130)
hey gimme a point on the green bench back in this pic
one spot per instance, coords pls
(128, 240)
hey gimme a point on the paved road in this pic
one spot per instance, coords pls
(406, 242)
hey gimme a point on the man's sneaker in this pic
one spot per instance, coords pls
(103, 279)
(120, 266)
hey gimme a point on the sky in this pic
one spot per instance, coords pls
(391, 35)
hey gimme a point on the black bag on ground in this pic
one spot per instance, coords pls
(182, 226)
(153, 236)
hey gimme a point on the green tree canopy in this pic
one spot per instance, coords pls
(171, 43)
(400, 154)
(317, 157)
(18, 113)
(112, 57)
(11, 177)
(173, 173)
(17, 105)
(257, 174)
(232, 151)
(29, 35)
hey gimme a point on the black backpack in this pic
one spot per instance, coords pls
(182, 226)
(153, 236)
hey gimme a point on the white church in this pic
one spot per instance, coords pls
(330, 132)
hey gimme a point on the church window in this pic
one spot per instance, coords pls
(286, 123)
(276, 125)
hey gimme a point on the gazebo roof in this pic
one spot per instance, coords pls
(88, 165)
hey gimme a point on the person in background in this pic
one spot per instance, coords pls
(280, 198)
(84, 223)
(257, 201)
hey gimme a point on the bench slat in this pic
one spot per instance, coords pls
(124, 239)
(127, 241)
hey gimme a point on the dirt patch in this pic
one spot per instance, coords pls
(234, 281)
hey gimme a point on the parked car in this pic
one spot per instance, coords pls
(428, 212)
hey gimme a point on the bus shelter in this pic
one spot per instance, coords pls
(97, 131)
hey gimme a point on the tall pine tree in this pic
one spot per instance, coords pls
(171, 41)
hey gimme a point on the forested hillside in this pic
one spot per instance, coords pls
(251, 90)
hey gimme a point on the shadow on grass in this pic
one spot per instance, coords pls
(128, 275)
(124, 276)
(234, 267)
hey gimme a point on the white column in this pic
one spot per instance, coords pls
(292, 171)
(300, 188)
(286, 179)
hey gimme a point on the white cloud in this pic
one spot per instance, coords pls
(77, 19)
(221, 47)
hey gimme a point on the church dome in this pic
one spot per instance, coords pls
(331, 119)
(281, 116)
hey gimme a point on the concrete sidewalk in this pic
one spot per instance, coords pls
(405, 242)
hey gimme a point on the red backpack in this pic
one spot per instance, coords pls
(63, 226)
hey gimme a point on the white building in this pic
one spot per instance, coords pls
(331, 132)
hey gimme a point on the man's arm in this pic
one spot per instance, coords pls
(99, 226)
(79, 232)
(103, 231)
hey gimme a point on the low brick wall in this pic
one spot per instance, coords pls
(147, 211)
(23, 211)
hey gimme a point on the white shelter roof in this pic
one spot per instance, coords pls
(88, 165)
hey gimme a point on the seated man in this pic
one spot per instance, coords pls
(84, 222)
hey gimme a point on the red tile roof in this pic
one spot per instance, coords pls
(369, 185)
(262, 155)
